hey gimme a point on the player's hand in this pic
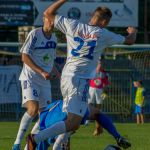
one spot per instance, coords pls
(131, 30)
(45, 75)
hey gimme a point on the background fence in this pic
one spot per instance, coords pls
(123, 63)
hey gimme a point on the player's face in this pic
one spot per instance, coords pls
(48, 25)
(135, 84)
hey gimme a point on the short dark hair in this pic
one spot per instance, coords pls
(103, 13)
(140, 81)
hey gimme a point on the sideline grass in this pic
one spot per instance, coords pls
(139, 135)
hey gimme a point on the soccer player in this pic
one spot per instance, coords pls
(38, 54)
(96, 89)
(85, 43)
(54, 113)
(139, 101)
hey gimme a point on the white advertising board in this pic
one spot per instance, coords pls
(10, 89)
(125, 12)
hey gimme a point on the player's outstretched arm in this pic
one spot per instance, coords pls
(51, 10)
(131, 38)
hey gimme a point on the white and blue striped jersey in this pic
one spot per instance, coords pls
(42, 51)
(85, 44)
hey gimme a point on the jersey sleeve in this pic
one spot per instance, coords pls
(64, 24)
(55, 49)
(29, 43)
(112, 38)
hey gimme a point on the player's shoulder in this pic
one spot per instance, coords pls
(68, 21)
(36, 31)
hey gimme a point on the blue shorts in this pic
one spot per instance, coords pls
(138, 109)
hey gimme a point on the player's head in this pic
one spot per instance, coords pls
(101, 17)
(138, 83)
(47, 24)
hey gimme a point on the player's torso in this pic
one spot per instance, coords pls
(44, 50)
(139, 96)
(83, 50)
(43, 54)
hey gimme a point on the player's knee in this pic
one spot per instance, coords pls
(72, 126)
(32, 111)
(32, 108)
(75, 127)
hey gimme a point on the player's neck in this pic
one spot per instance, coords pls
(94, 22)
(47, 33)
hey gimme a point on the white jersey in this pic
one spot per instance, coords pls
(42, 51)
(85, 44)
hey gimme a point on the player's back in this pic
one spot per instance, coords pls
(82, 50)
(84, 44)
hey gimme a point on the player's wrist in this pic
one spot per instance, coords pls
(42, 72)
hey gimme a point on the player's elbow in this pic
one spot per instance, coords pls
(48, 14)
(45, 14)
(24, 58)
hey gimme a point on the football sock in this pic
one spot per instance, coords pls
(107, 124)
(35, 129)
(52, 131)
(62, 138)
(24, 124)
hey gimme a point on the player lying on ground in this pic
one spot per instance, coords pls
(53, 113)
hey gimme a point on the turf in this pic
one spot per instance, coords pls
(84, 140)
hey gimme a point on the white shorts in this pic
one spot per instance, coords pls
(35, 92)
(75, 95)
(95, 96)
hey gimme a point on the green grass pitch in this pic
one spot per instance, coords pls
(138, 135)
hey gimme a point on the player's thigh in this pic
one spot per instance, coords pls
(30, 92)
(73, 122)
(93, 112)
(91, 99)
(75, 95)
(98, 93)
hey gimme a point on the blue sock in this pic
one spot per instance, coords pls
(107, 124)
(43, 145)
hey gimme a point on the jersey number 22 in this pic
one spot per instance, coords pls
(91, 44)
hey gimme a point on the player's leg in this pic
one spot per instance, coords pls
(99, 129)
(45, 99)
(142, 118)
(30, 101)
(91, 100)
(72, 123)
(34, 130)
(137, 112)
(75, 92)
(26, 121)
(62, 142)
(108, 125)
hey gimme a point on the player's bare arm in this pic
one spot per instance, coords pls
(28, 61)
(50, 12)
(131, 38)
